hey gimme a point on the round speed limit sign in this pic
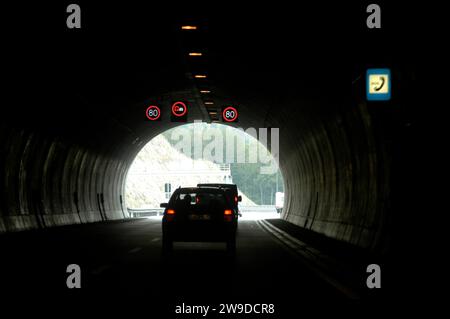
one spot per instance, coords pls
(153, 112)
(229, 114)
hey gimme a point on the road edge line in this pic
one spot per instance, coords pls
(305, 254)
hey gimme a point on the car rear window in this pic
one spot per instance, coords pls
(231, 188)
(200, 199)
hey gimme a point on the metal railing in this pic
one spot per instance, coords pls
(145, 212)
(257, 208)
(159, 211)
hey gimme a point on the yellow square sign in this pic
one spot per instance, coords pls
(378, 84)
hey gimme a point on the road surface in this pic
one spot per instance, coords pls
(122, 262)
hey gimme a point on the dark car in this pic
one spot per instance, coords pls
(199, 214)
(230, 190)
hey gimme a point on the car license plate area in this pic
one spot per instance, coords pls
(199, 217)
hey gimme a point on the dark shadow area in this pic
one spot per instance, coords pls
(74, 118)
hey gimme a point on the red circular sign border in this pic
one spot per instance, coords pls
(226, 109)
(185, 109)
(151, 118)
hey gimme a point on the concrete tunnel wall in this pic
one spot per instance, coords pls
(49, 182)
(334, 170)
(336, 178)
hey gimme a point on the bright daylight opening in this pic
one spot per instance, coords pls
(198, 153)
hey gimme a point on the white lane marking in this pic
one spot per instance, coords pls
(306, 255)
(155, 239)
(134, 250)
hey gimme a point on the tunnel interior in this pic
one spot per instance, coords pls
(74, 110)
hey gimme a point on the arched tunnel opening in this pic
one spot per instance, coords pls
(82, 104)
(202, 153)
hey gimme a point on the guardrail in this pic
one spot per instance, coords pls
(159, 211)
(145, 212)
(258, 208)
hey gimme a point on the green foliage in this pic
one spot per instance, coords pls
(260, 188)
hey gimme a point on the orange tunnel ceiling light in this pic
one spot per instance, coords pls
(195, 54)
(200, 76)
(209, 103)
(205, 91)
(188, 27)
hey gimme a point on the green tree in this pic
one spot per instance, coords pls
(260, 188)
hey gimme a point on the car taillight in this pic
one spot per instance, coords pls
(235, 199)
(170, 215)
(228, 215)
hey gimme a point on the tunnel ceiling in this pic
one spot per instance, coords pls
(75, 104)
(127, 57)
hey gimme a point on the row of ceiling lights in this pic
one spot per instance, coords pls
(208, 104)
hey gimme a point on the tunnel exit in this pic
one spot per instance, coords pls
(200, 153)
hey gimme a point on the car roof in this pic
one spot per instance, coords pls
(232, 186)
(200, 190)
(224, 184)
